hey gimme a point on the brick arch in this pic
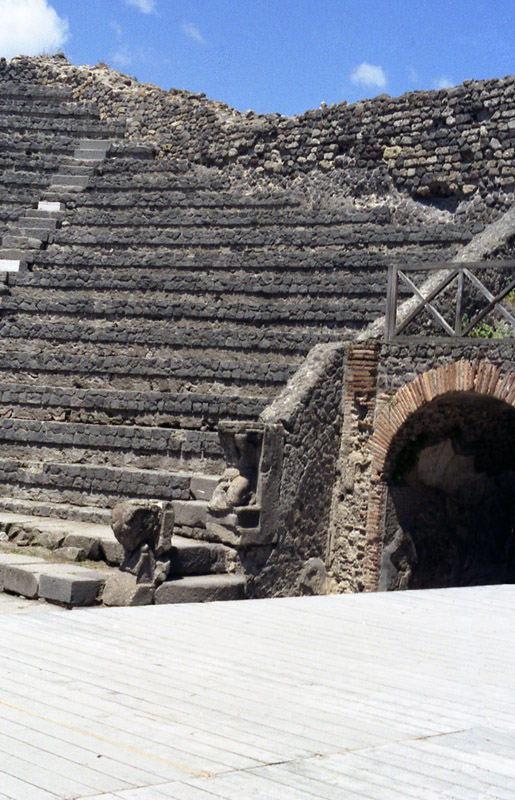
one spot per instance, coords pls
(479, 376)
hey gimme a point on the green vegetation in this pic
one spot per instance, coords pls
(486, 330)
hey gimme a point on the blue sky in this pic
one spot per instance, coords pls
(274, 55)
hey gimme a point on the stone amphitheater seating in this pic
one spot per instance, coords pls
(164, 305)
(166, 302)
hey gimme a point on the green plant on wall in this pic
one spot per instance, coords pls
(486, 330)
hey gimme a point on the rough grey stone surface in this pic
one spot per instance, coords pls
(22, 579)
(89, 546)
(135, 523)
(201, 589)
(15, 559)
(122, 589)
(75, 587)
(226, 248)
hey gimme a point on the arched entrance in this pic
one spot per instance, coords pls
(446, 480)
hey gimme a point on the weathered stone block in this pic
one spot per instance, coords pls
(197, 558)
(201, 589)
(88, 544)
(72, 587)
(8, 560)
(135, 522)
(49, 539)
(112, 551)
(191, 513)
(22, 579)
(202, 487)
(121, 589)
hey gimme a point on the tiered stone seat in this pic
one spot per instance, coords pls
(167, 303)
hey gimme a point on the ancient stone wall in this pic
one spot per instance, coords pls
(288, 224)
(447, 143)
(309, 412)
(374, 412)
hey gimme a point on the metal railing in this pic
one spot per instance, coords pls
(429, 291)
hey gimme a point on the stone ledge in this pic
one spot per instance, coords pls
(201, 589)
(62, 583)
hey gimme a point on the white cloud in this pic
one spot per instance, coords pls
(122, 58)
(443, 83)
(193, 32)
(29, 27)
(117, 28)
(369, 75)
(145, 6)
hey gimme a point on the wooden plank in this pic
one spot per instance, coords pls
(329, 702)
(431, 296)
(442, 265)
(391, 302)
(458, 326)
(74, 745)
(22, 790)
(494, 300)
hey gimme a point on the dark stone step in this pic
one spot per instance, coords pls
(172, 408)
(267, 282)
(342, 311)
(203, 334)
(352, 256)
(201, 589)
(86, 485)
(56, 526)
(222, 369)
(45, 109)
(142, 447)
(148, 236)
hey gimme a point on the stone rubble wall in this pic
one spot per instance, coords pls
(360, 492)
(309, 412)
(451, 142)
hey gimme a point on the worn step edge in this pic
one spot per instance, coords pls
(201, 589)
(66, 584)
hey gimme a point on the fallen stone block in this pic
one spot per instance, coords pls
(189, 557)
(112, 551)
(191, 513)
(89, 544)
(49, 539)
(71, 554)
(71, 587)
(22, 579)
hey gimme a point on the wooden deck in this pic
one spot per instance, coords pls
(405, 695)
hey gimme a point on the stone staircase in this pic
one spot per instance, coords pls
(44, 147)
(45, 558)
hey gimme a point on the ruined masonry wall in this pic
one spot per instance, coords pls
(358, 507)
(310, 414)
(451, 142)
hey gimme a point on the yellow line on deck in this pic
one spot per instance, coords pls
(109, 741)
